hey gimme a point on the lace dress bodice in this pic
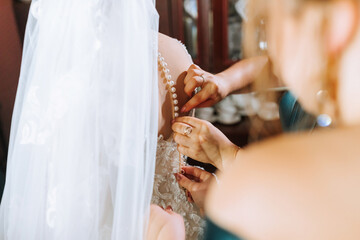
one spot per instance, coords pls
(167, 191)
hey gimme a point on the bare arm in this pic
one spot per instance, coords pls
(243, 73)
(216, 87)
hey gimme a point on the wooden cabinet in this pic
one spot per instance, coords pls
(227, 33)
(211, 29)
(188, 21)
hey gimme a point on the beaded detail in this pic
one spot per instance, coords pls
(172, 90)
(167, 191)
(170, 85)
(187, 52)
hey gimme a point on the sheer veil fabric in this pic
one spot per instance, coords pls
(84, 131)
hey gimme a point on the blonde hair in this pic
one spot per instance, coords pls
(259, 14)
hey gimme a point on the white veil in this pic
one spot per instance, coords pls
(84, 131)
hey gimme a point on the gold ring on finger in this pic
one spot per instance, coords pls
(187, 131)
(203, 80)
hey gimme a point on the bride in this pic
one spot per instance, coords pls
(85, 124)
(172, 71)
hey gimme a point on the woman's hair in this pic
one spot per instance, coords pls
(256, 42)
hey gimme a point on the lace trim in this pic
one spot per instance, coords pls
(167, 191)
(187, 52)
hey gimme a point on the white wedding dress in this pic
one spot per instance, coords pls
(167, 191)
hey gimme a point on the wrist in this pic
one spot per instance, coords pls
(228, 155)
(223, 85)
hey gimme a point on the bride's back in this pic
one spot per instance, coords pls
(167, 192)
(178, 61)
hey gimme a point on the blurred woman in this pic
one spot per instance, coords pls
(297, 186)
(303, 186)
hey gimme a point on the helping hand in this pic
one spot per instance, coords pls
(213, 88)
(203, 142)
(196, 181)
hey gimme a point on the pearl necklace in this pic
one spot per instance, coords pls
(173, 96)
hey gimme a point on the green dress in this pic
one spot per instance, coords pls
(214, 232)
(292, 116)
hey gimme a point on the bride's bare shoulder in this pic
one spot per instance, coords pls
(175, 52)
(278, 185)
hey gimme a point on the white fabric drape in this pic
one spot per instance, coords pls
(84, 131)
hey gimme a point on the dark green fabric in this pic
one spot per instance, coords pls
(214, 232)
(293, 118)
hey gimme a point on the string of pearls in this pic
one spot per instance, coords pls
(170, 84)
(172, 90)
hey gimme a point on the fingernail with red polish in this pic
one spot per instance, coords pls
(173, 121)
(183, 109)
(169, 208)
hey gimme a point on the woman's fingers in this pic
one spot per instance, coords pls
(182, 128)
(194, 122)
(187, 146)
(197, 99)
(182, 140)
(190, 139)
(194, 82)
(186, 183)
(189, 197)
(193, 70)
(194, 153)
(212, 89)
(191, 177)
(185, 151)
(196, 172)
